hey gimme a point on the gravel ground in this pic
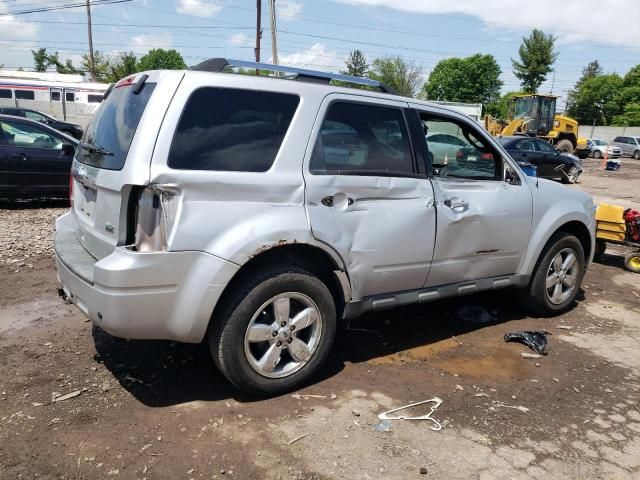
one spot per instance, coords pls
(76, 403)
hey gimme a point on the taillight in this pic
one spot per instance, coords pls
(71, 190)
(486, 156)
(156, 213)
(459, 155)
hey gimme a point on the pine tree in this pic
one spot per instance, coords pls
(536, 60)
(356, 64)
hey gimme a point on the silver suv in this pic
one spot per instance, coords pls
(629, 146)
(260, 213)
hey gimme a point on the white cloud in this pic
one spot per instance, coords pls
(316, 57)
(288, 10)
(197, 8)
(240, 40)
(616, 20)
(141, 44)
(15, 29)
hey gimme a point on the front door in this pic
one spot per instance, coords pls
(484, 221)
(36, 158)
(365, 197)
(550, 159)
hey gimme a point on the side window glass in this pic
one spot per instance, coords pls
(25, 94)
(358, 139)
(34, 116)
(526, 146)
(545, 147)
(55, 96)
(5, 93)
(231, 130)
(456, 150)
(70, 97)
(29, 136)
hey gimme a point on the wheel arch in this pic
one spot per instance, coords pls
(309, 257)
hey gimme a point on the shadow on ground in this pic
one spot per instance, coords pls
(160, 373)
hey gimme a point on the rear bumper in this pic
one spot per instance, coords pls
(161, 295)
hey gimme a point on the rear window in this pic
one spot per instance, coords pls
(112, 127)
(231, 130)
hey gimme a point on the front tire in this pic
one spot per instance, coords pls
(572, 175)
(597, 154)
(636, 155)
(632, 262)
(565, 146)
(556, 277)
(273, 334)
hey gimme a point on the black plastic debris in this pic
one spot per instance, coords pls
(536, 341)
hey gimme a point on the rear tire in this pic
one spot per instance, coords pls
(601, 247)
(597, 154)
(553, 288)
(636, 155)
(571, 176)
(565, 146)
(632, 262)
(269, 302)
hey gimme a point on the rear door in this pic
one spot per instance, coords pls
(365, 195)
(36, 158)
(6, 176)
(483, 205)
(115, 157)
(550, 159)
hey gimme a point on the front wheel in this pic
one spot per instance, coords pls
(597, 154)
(572, 175)
(565, 146)
(636, 155)
(274, 334)
(632, 262)
(557, 276)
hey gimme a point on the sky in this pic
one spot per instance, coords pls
(319, 34)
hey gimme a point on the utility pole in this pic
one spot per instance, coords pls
(553, 81)
(258, 29)
(274, 46)
(92, 65)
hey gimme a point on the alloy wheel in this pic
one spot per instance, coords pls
(562, 276)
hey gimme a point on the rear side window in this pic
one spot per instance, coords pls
(228, 129)
(55, 96)
(111, 130)
(25, 94)
(358, 139)
(94, 98)
(4, 93)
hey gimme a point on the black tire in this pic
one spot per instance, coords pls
(571, 176)
(227, 335)
(601, 247)
(636, 155)
(597, 154)
(565, 146)
(534, 297)
(632, 262)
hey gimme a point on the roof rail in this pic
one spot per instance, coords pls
(220, 64)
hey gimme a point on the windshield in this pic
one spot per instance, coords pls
(523, 107)
(111, 130)
(600, 142)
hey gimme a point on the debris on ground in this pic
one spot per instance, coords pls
(67, 396)
(475, 314)
(564, 327)
(515, 407)
(530, 355)
(299, 396)
(299, 437)
(536, 341)
(392, 415)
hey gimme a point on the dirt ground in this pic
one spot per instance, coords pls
(160, 410)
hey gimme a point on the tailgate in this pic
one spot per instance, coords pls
(115, 155)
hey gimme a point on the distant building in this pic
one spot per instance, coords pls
(474, 110)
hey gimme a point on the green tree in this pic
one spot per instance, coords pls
(536, 60)
(500, 108)
(356, 64)
(597, 100)
(630, 117)
(593, 69)
(125, 65)
(400, 75)
(101, 66)
(40, 59)
(160, 59)
(474, 79)
(66, 67)
(632, 78)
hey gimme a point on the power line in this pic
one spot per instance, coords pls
(61, 7)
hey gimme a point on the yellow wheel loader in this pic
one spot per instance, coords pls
(535, 116)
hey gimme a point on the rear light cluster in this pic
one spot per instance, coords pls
(156, 213)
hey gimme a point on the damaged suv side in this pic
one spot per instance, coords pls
(258, 213)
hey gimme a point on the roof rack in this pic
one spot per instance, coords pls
(302, 74)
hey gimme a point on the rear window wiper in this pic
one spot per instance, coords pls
(93, 149)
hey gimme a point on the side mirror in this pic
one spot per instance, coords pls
(68, 149)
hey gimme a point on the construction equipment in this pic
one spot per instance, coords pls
(620, 226)
(535, 116)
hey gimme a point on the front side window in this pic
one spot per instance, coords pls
(25, 94)
(359, 139)
(545, 147)
(227, 129)
(29, 136)
(457, 150)
(526, 146)
(38, 117)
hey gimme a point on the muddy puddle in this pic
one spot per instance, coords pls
(23, 315)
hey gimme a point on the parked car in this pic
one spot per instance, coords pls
(35, 160)
(600, 147)
(549, 162)
(629, 145)
(72, 129)
(215, 211)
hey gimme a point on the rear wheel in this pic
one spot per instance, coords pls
(556, 277)
(632, 262)
(572, 175)
(597, 154)
(601, 247)
(274, 334)
(565, 146)
(636, 155)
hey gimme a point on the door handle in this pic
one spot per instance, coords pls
(21, 156)
(456, 203)
(328, 200)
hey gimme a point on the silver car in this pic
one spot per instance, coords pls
(629, 145)
(261, 213)
(599, 148)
